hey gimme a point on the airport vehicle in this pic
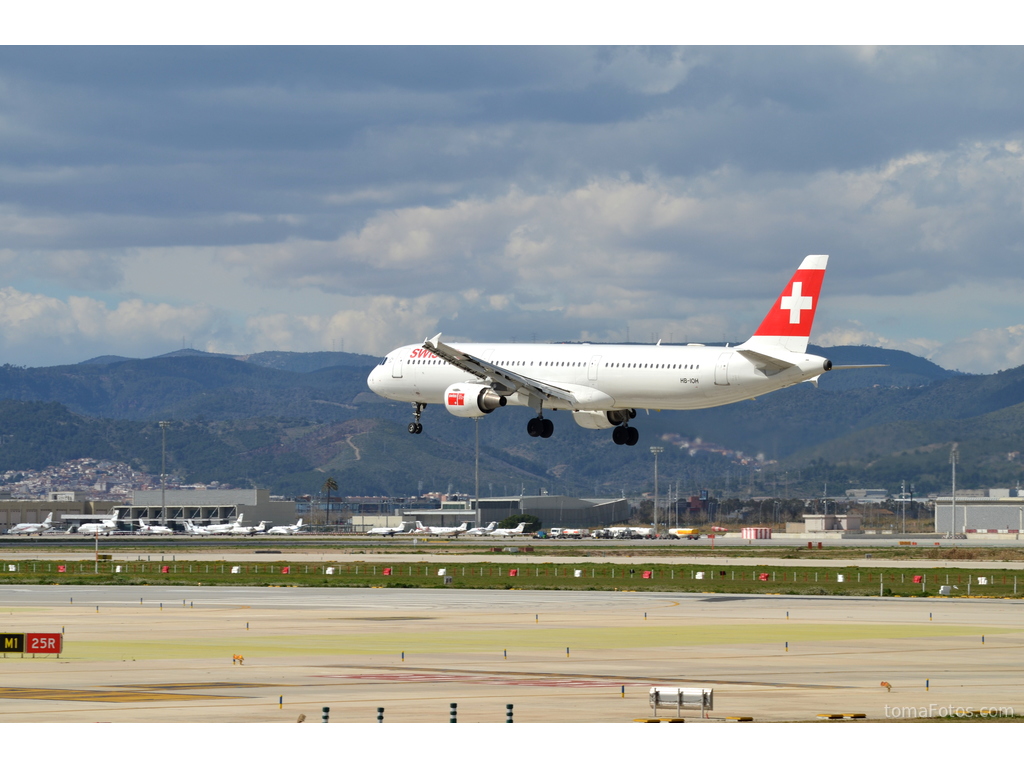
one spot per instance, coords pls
(604, 385)
(683, 533)
(439, 530)
(27, 529)
(569, 533)
(519, 530)
(623, 532)
(151, 530)
(482, 531)
(400, 528)
(103, 528)
(286, 530)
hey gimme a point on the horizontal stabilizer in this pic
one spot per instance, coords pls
(770, 365)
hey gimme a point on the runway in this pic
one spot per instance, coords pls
(152, 654)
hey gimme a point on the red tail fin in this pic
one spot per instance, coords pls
(788, 323)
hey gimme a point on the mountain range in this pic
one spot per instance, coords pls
(288, 420)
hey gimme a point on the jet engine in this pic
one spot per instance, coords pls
(472, 400)
(602, 419)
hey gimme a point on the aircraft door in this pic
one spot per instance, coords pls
(396, 368)
(722, 369)
(595, 363)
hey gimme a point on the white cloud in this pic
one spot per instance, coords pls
(985, 351)
(32, 326)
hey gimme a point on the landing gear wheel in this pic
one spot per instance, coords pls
(619, 435)
(534, 428)
(415, 428)
(632, 435)
(547, 428)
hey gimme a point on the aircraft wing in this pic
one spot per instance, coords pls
(507, 382)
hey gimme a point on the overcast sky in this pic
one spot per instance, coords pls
(249, 199)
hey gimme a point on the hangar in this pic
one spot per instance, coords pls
(999, 511)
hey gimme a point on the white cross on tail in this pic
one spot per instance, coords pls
(795, 303)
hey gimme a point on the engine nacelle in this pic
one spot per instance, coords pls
(602, 419)
(472, 400)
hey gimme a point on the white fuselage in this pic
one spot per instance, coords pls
(28, 529)
(91, 529)
(155, 530)
(604, 377)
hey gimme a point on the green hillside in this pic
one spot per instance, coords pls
(285, 419)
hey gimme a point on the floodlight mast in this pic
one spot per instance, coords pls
(954, 454)
(656, 449)
(163, 471)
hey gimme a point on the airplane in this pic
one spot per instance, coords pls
(148, 530)
(400, 528)
(248, 530)
(102, 528)
(286, 529)
(213, 529)
(197, 530)
(519, 530)
(482, 531)
(29, 528)
(604, 385)
(438, 530)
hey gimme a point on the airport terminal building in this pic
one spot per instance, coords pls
(203, 507)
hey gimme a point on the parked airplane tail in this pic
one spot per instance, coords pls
(788, 323)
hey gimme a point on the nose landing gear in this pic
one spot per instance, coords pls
(414, 426)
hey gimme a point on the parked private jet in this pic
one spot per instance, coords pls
(439, 530)
(482, 531)
(213, 529)
(400, 528)
(519, 530)
(27, 529)
(103, 528)
(604, 385)
(152, 530)
(287, 530)
(248, 530)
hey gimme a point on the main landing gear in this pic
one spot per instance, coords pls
(540, 427)
(414, 426)
(625, 434)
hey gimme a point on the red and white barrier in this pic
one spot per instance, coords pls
(757, 533)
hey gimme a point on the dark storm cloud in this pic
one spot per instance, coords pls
(183, 133)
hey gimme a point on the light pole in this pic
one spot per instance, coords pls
(163, 471)
(476, 470)
(656, 449)
(954, 454)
